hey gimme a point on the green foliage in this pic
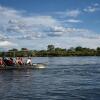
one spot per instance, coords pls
(98, 51)
(52, 51)
(50, 48)
(14, 49)
(24, 49)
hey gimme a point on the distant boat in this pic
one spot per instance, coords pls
(15, 67)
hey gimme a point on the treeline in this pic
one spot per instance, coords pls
(52, 51)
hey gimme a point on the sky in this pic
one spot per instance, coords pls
(34, 24)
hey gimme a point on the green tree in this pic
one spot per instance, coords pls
(98, 51)
(79, 48)
(14, 49)
(50, 48)
(24, 49)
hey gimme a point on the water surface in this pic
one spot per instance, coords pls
(65, 78)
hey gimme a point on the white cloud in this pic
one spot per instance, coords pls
(73, 32)
(73, 13)
(7, 44)
(93, 8)
(96, 4)
(15, 28)
(69, 13)
(14, 24)
(66, 42)
(82, 33)
(2, 37)
(73, 21)
(90, 9)
(84, 42)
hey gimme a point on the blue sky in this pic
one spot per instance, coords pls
(36, 23)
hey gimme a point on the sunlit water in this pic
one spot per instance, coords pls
(65, 78)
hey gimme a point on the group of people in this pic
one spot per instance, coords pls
(15, 61)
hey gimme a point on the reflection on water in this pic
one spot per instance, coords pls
(65, 78)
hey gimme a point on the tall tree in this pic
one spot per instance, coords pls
(50, 48)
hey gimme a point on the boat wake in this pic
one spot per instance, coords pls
(40, 65)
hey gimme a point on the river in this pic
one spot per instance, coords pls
(65, 78)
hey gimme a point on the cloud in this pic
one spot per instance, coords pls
(2, 37)
(7, 44)
(82, 33)
(72, 33)
(15, 25)
(84, 42)
(96, 4)
(73, 13)
(93, 8)
(18, 29)
(73, 21)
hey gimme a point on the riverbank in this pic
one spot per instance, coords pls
(51, 51)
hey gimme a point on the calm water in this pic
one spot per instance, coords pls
(65, 78)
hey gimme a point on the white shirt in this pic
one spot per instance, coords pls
(28, 61)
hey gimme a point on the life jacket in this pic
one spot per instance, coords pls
(10, 62)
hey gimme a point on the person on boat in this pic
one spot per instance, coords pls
(14, 60)
(29, 61)
(8, 62)
(19, 61)
(5, 60)
(1, 61)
